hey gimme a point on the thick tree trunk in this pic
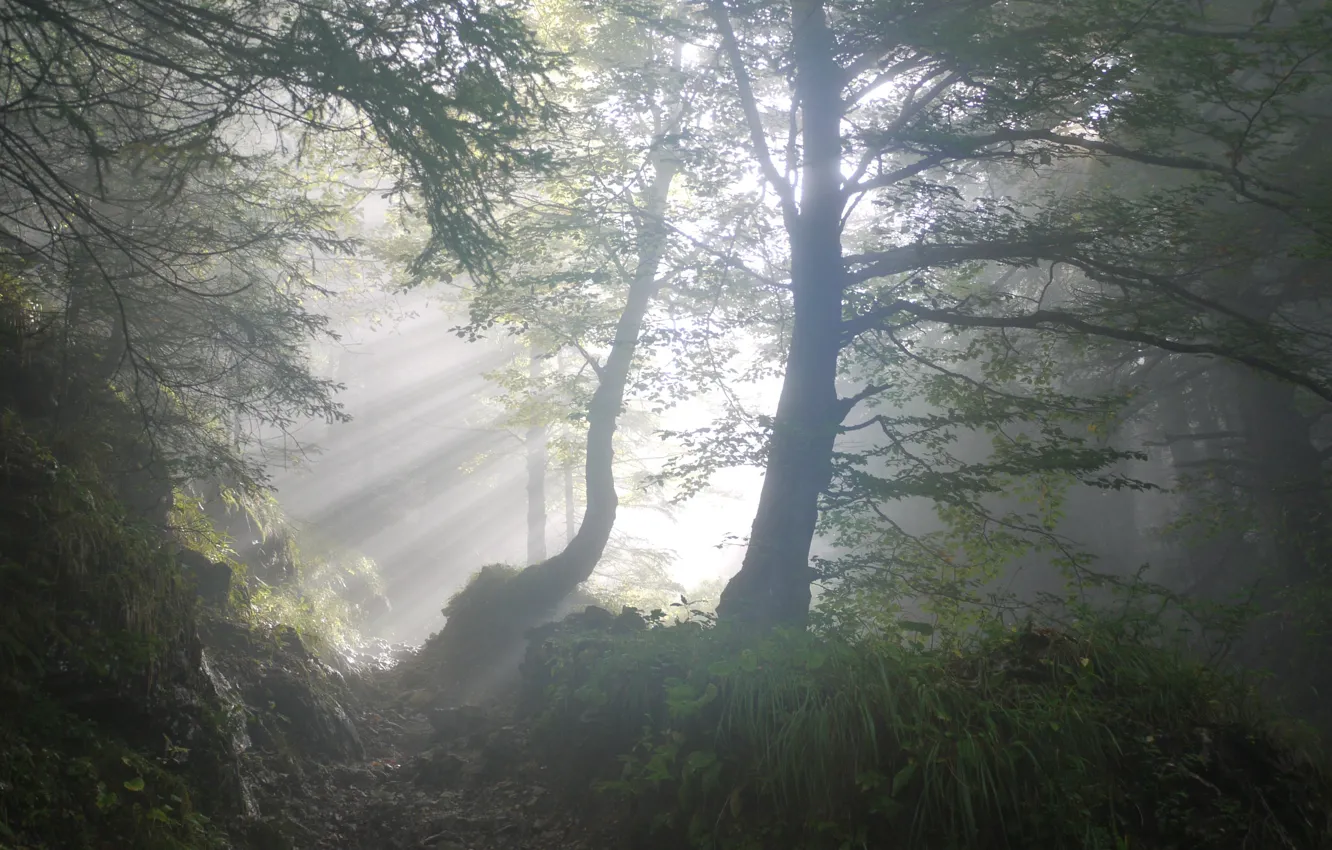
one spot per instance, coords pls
(773, 585)
(570, 507)
(1289, 636)
(534, 443)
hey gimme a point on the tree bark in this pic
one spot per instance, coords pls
(534, 442)
(570, 509)
(773, 585)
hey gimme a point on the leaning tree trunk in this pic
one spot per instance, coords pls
(483, 636)
(773, 585)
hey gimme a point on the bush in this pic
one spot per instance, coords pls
(1032, 739)
(104, 722)
(84, 589)
(66, 784)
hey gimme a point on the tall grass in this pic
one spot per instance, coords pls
(1031, 740)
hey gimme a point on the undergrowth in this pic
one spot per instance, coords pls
(317, 592)
(96, 636)
(1030, 739)
(66, 784)
(86, 589)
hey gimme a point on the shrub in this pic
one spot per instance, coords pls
(102, 728)
(67, 784)
(1031, 739)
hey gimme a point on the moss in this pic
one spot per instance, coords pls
(1034, 739)
(477, 653)
(444, 659)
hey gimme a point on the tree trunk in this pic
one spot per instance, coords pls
(534, 442)
(1289, 490)
(483, 634)
(570, 568)
(1289, 637)
(570, 508)
(773, 585)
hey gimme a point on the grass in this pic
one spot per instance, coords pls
(1032, 739)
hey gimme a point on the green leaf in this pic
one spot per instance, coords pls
(699, 760)
(135, 784)
(903, 778)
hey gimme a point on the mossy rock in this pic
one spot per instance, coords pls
(478, 653)
(292, 700)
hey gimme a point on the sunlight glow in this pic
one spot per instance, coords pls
(424, 485)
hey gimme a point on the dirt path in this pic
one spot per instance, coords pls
(464, 782)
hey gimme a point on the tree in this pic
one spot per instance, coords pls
(163, 198)
(916, 107)
(600, 224)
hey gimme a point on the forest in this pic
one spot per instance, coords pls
(725, 424)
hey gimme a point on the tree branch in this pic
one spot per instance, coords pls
(753, 118)
(849, 402)
(1171, 439)
(1047, 319)
(909, 257)
(1233, 175)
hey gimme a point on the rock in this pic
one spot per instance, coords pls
(267, 835)
(309, 716)
(290, 697)
(212, 581)
(419, 699)
(403, 651)
(459, 722)
(356, 777)
(438, 769)
(502, 752)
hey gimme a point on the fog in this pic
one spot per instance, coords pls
(428, 483)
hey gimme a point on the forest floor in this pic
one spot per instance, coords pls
(448, 779)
